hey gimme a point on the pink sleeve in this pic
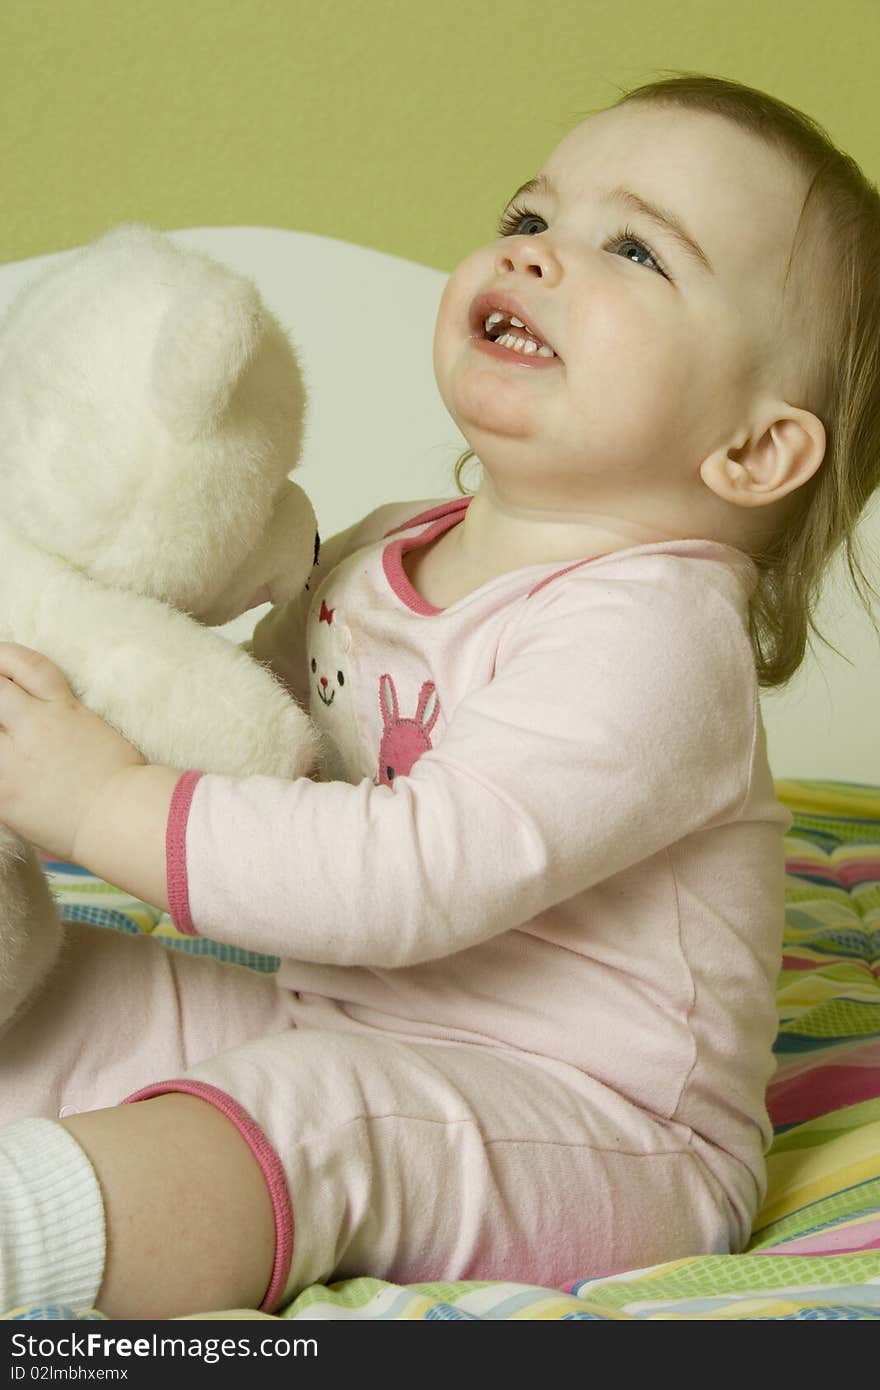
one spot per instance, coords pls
(601, 740)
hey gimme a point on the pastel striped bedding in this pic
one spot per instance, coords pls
(815, 1248)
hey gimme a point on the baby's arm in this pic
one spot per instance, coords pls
(612, 729)
(622, 717)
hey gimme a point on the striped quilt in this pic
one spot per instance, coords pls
(815, 1247)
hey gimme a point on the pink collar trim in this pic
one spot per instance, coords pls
(444, 517)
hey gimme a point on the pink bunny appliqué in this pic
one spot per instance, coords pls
(404, 740)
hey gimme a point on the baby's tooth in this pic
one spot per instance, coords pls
(523, 345)
(492, 320)
(517, 323)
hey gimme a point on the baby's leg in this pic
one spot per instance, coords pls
(119, 1011)
(317, 1153)
(188, 1215)
(413, 1161)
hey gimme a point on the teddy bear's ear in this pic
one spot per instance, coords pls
(209, 334)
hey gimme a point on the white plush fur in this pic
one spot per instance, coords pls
(151, 410)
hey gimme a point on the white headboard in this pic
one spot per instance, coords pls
(378, 431)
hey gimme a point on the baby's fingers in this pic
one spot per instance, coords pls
(32, 672)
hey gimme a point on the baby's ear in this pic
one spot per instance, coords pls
(771, 464)
(204, 343)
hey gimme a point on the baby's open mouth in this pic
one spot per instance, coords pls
(498, 318)
(510, 332)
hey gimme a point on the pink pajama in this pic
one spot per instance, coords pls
(405, 1159)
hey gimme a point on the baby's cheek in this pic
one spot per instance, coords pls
(458, 292)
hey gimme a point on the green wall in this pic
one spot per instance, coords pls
(399, 124)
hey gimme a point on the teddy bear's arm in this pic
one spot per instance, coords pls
(185, 696)
(201, 703)
(278, 642)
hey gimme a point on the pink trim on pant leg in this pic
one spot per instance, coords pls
(175, 853)
(270, 1166)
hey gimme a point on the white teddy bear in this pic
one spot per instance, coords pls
(151, 409)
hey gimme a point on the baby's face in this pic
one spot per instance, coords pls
(659, 346)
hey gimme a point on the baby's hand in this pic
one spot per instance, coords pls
(56, 756)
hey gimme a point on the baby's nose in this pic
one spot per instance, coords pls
(531, 254)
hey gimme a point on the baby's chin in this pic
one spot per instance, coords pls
(491, 419)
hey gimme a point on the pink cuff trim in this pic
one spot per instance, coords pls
(175, 853)
(270, 1166)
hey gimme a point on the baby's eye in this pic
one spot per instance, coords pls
(516, 221)
(625, 238)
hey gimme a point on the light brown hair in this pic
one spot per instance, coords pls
(832, 303)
